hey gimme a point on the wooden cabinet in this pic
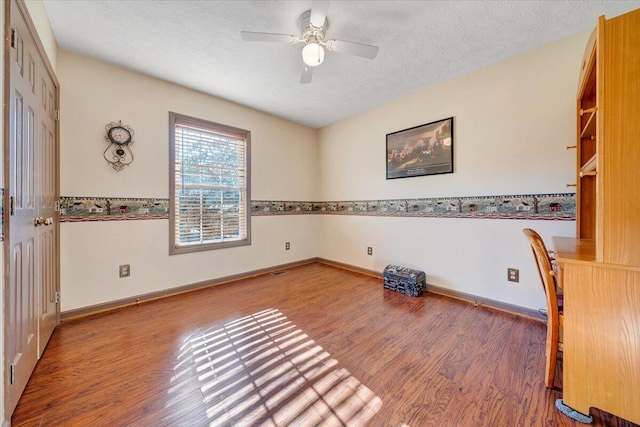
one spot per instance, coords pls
(608, 141)
(601, 331)
(601, 267)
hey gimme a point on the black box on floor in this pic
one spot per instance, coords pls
(405, 280)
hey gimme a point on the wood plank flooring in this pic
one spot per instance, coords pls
(317, 345)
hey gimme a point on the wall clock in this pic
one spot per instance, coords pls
(120, 138)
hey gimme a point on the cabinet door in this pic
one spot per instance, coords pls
(601, 357)
(619, 177)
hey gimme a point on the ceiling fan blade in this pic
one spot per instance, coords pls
(352, 48)
(250, 36)
(319, 9)
(307, 72)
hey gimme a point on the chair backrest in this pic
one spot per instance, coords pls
(545, 269)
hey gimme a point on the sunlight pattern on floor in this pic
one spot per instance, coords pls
(263, 370)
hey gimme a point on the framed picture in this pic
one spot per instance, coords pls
(422, 150)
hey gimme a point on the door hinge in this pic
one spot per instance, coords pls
(12, 374)
(14, 38)
(57, 296)
(12, 205)
(57, 116)
(56, 206)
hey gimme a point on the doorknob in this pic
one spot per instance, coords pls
(48, 221)
(38, 221)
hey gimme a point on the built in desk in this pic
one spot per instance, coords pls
(575, 250)
(600, 270)
(601, 335)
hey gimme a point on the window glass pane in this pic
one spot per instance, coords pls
(210, 183)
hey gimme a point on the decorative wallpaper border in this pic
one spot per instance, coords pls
(560, 206)
(74, 209)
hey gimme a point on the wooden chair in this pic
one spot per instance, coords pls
(547, 270)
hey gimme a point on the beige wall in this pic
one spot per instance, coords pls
(512, 123)
(283, 167)
(40, 19)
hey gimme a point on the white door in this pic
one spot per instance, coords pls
(46, 173)
(32, 256)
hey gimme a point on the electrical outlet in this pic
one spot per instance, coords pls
(125, 270)
(287, 246)
(369, 250)
(513, 275)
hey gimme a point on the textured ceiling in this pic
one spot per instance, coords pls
(197, 44)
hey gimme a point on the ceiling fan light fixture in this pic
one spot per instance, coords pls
(313, 54)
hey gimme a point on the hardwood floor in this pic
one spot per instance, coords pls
(317, 343)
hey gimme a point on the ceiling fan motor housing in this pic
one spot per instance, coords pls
(308, 32)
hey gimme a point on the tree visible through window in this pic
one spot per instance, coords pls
(209, 185)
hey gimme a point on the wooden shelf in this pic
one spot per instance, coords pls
(589, 129)
(589, 168)
(588, 110)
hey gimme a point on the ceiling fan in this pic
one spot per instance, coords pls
(313, 25)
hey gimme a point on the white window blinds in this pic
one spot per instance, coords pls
(210, 197)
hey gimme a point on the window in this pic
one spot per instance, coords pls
(209, 176)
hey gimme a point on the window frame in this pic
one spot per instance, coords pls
(177, 118)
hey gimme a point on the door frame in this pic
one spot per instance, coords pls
(22, 8)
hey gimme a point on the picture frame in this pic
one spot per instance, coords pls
(421, 150)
